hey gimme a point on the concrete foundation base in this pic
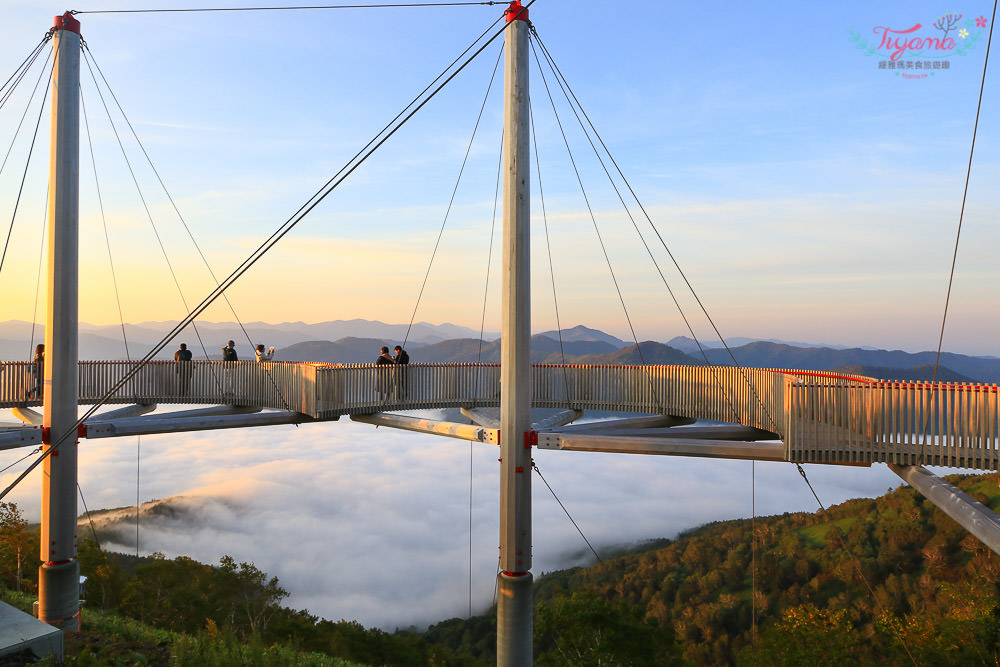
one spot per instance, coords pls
(22, 633)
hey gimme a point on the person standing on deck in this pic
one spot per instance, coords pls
(37, 372)
(229, 354)
(262, 355)
(401, 359)
(183, 358)
(383, 383)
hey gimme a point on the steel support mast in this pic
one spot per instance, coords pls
(59, 574)
(514, 585)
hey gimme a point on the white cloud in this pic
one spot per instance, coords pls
(373, 524)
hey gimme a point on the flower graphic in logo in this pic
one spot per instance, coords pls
(921, 49)
(946, 23)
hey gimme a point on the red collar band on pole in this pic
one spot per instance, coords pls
(516, 12)
(67, 22)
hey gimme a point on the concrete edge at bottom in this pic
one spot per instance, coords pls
(23, 632)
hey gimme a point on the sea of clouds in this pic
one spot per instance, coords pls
(373, 524)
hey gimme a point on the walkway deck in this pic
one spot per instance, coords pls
(819, 417)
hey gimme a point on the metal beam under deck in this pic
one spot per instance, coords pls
(652, 421)
(215, 410)
(24, 436)
(449, 429)
(971, 514)
(719, 432)
(557, 420)
(128, 411)
(149, 425)
(665, 446)
(483, 418)
(28, 416)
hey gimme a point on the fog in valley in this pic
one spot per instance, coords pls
(373, 524)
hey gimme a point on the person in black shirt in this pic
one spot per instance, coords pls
(229, 354)
(38, 372)
(401, 359)
(183, 358)
(383, 382)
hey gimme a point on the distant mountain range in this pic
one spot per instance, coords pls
(106, 341)
(358, 341)
(689, 345)
(895, 363)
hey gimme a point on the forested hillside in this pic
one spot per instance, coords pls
(885, 581)
(889, 580)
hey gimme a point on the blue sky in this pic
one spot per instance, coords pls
(808, 194)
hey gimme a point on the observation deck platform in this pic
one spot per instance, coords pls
(790, 415)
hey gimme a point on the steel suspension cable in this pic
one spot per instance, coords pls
(31, 453)
(578, 105)
(809, 484)
(548, 248)
(24, 176)
(286, 227)
(593, 219)
(149, 214)
(380, 137)
(173, 203)
(104, 223)
(534, 466)
(694, 294)
(489, 258)
(138, 450)
(11, 84)
(857, 565)
(38, 276)
(163, 185)
(573, 107)
(41, 249)
(470, 526)
(86, 510)
(454, 191)
(479, 357)
(121, 319)
(753, 553)
(300, 7)
(27, 107)
(965, 194)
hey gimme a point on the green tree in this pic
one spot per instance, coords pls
(585, 629)
(14, 541)
(251, 597)
(807, 635)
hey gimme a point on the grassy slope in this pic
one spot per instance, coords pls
(109, 639)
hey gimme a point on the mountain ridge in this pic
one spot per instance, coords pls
(449, 343)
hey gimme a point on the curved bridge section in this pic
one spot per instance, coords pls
(820, 417)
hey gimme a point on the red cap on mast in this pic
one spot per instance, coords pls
(516, 12)
(67, 22)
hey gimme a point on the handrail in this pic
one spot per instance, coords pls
(821, 417)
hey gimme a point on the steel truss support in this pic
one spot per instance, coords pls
(971, 514)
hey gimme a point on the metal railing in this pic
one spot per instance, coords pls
(820, 417)
(907, 423)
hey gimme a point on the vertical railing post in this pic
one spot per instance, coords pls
(59, 574)
(514, 583)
